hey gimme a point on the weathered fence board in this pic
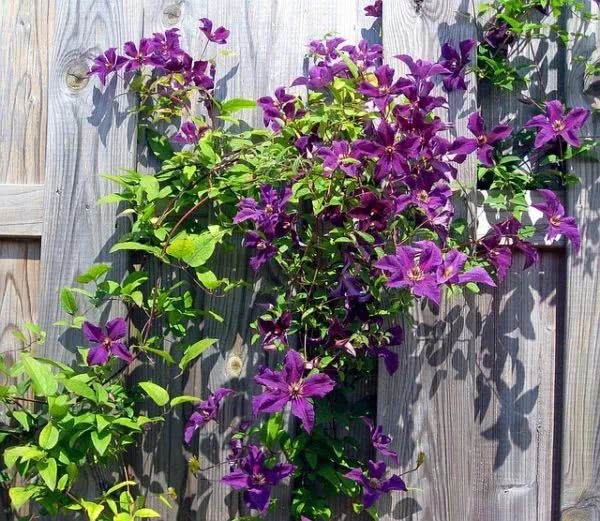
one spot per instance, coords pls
(580, 476)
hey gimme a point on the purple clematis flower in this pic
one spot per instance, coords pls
(107, 342)
(450, 271)
(392, 156)
(558, 222)
(256, 478)
(354, 296)
(421, 69)
(381, 442)
(269, 215)
(139, 56)
(384, 91)
(220, 34)
(189, 133)
(372, 213)
(290, 386)
(365, 54)
(204, 412)
(556, 124)
(339, 155)
(166, 47)
(414, 268)
(381, 350)
(499, 36)
(373, 483)
(485, 140)
(278, 110)
(264, 247)
(107, 63)
(274, 332)
(375, 10)
(456, 61)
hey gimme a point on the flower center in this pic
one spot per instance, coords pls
(269, 209)
(423, 196)
(389, 150)
(106, 342)
(482, 140)
(558, 125)
(295, 389)
(555, 220)
(259, 479)
(373, 483)
(416, 273)
(448, 272)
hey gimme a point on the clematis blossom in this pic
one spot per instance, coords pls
(558, 222)
(256, 478)
(455, 61)
(106, 64)
(106, 342)
(204, 412)
(218, 36)
(373, 482)
(291, 386)
(381, 442)
(274, 332)
(484, 140)
(556, 124)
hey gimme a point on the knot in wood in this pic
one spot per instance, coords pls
(76, 76)
(234, 365)
(418, 5)
(171, 14)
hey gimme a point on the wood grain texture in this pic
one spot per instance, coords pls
(19, 288)
(21, 210)
(580, 476)
(26, 28)
(89, 133)
(476, 386)
(427, 405)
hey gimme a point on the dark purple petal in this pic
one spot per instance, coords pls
(97, 355)
(93, 333)
(116, 328)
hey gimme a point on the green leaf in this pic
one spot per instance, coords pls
(44, 382)
(22, 417)
(149, 184)
(159, 395)
(159, 144)
(80, 388)
(119, 486)
(48, 436)
(236, 104)
(194, 249)
(93, 274)
(48, 472)
(93, 510)
(20, 495)
(137, 246)
(68, 302)
(195, 350)
(145, 512)
(178, 400)
(101, 441)
(24, 452)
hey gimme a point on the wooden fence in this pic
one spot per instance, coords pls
(502, 392)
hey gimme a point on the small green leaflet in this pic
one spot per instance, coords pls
(195, 350)
(44, 382)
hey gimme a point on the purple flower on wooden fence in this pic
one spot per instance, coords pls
(556, 124)
(204, 412)
(484, 139)
(107, 342)
(375, 10)
(107, 63)
(256, 478)
(274, 332)
(381, 442)
(414, 269)
(189, 133)
(373, 483)
(455, 61)
(218, 36)
(290, 386)
(558, 223)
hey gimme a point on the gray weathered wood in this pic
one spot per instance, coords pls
(88, 134)
(21, 210)
(580, 476)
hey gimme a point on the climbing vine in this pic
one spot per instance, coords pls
(351, 193)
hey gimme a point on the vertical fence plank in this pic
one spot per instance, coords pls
(477, 395)
(580, 476)
(88, 134)
(427, 406)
